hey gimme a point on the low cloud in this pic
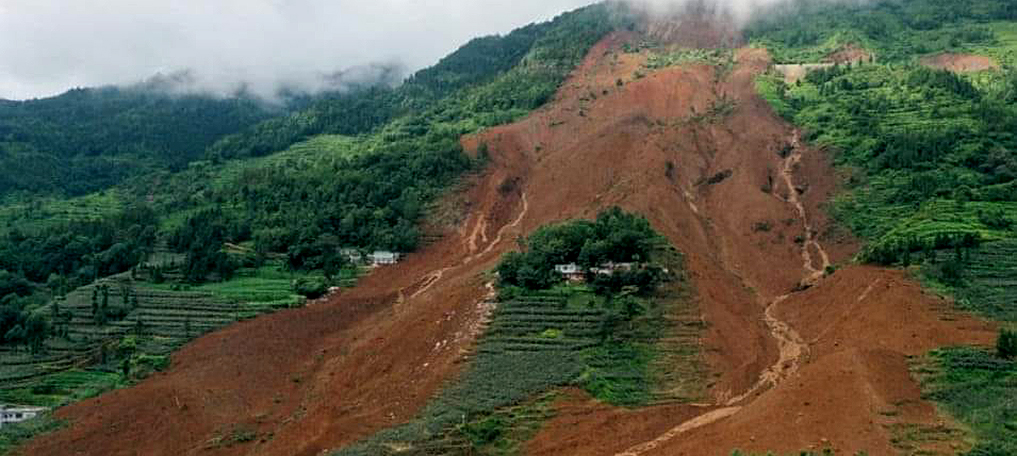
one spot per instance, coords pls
(49, 46)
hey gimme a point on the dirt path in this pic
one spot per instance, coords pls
(697, 422)
(479, 231)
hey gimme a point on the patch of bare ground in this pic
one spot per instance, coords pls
(959, 63)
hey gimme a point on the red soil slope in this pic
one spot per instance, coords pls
(321, 377)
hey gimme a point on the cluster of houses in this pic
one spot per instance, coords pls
(374, 259)
(14, 414)
(575, 273)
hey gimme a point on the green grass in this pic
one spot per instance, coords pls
(63, 387)
(979, 390)
(1004, 49)
(12, 435)
(32, 213)
(988, 282)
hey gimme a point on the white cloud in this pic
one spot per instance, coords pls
(48, 46)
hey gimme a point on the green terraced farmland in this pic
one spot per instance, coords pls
(86, 356)
(990, 285)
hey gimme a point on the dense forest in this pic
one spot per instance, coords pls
(90, 139)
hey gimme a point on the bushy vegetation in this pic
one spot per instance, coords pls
(615, 236)
(124, 327)
(806, 31)
(195, 245)
(930, 155)
(621, 348)
(1006, 344)
(60, 259)
(977, 387)
(12, 435)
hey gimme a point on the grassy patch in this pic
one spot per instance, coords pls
(12, 435)
(978, 389)
(987, 283)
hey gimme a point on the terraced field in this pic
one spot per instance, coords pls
(145, 322)
(991, 281)
(540, 341)
(36, 213)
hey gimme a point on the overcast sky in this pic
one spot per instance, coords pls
(49, 46)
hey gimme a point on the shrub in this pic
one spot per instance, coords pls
(1006, 344)
(310, 288)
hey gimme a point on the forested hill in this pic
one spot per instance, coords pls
(90, 139)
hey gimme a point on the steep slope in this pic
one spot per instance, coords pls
(696, 151)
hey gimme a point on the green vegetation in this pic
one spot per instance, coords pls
(807, 31)
(927, 153)
(983, 280)
(826, 452)
(91, 139)
(125, 326)
(978, 388)
(324, 193)
(623, 347)
(614, 237)
(716, 57)
(12, 435)
(1006, 344)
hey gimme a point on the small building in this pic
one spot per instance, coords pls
(571, 271)
(352, 255)
(15, 414)
(610, 268)
(383, 257)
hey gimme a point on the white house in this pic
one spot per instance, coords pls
(353, 255)
(382, 257)
(566, 269)
(571, 272)
(14, 414)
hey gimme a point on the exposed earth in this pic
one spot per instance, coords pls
(823, 366)
(959, 63)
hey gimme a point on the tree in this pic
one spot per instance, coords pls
(1006, 344)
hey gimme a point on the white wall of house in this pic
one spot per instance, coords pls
(10, 415)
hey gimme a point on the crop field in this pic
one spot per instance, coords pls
(978, 389)
(540, 341)
(1004, 49)
(151, 319)
(33, 213)
(989, 285)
